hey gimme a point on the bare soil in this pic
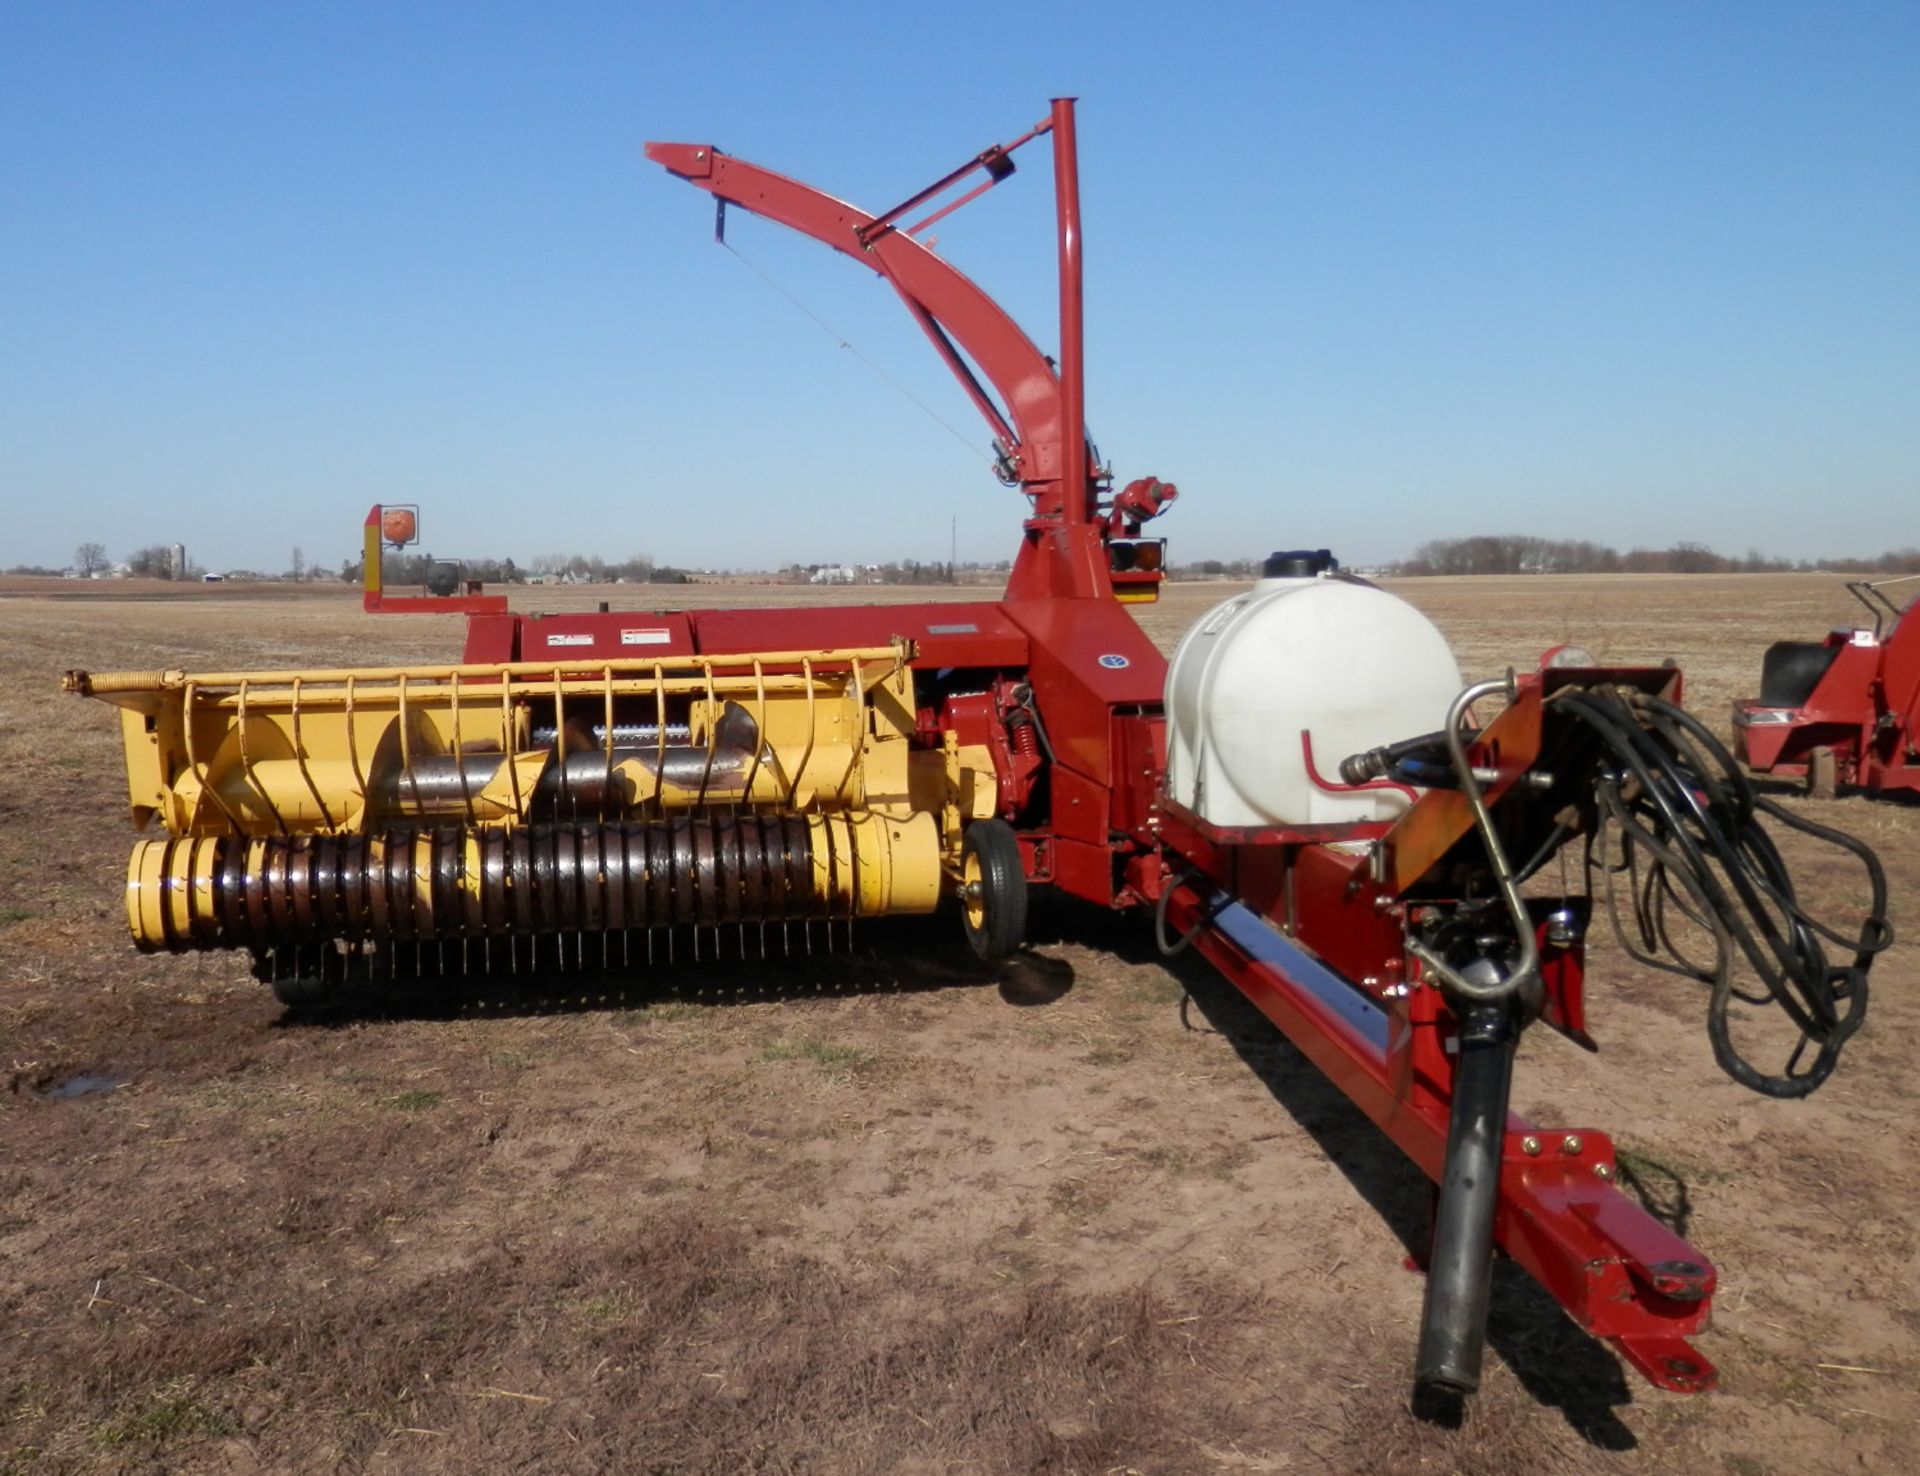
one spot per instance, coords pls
(878, 1210)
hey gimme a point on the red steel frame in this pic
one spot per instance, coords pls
(1068, 689)
(1383, 1040)
(1039, 419)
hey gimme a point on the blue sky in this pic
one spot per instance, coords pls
(1358, 275)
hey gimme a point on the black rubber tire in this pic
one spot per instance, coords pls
(995, 921)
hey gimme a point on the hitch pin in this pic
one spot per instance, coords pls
(1532, 779)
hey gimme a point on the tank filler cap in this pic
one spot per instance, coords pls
(1299, 563)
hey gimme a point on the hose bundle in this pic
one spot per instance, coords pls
(1679, 831)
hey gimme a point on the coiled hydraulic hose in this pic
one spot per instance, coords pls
(1679, 830)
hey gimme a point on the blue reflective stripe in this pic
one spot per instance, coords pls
(1254, 937)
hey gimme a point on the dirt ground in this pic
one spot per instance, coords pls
(880, 1211)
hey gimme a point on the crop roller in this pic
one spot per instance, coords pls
(492, 803)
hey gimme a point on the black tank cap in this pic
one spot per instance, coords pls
(1298, 563)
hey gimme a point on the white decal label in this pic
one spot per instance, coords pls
(646, 637)
(582, 639)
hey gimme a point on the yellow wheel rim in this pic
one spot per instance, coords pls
(973, 891)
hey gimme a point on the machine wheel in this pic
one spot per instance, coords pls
(1822, 780)
(993, 890)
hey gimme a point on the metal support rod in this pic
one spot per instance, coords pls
(1076, 487)
(1527, 966)
(1453, 1319)
(994, 161)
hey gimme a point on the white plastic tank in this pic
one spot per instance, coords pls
(1305, 650)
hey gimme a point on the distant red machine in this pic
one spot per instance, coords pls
(1844, 710)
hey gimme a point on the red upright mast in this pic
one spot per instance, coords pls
(1035, 410)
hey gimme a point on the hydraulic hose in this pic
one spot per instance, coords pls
(1453, 1318)
(1679, 828)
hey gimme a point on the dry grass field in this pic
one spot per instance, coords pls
(879, 1212)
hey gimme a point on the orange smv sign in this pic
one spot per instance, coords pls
(400, 525)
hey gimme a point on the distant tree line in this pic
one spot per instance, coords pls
(1487, 553)
(898, 571)
(912, 571)
(155, 561)
(152, 562)
(404, 569)
(1480, 553)
(637, 569)
(1217, 569)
